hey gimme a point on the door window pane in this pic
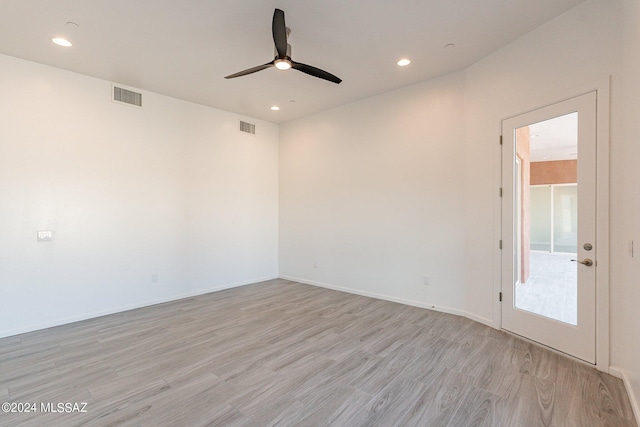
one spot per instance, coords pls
(546, 218)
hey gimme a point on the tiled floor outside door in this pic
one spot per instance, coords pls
(552, 287)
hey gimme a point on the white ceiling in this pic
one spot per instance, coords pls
(184, 48)
(555, 139)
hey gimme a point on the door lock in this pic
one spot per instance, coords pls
(586, 262)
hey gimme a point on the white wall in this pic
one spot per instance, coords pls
(625, 322)
(232, 198)
(342, 170)
(171, 189)
(372, 193)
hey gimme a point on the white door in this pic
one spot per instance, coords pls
(549, 226)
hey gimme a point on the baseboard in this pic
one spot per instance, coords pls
(633, 399)
(149, 303)
(390, 298)
(616, 372)
(480, 319)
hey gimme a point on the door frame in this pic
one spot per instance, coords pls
(602, 89)
(577, 339)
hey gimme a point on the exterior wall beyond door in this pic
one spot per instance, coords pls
(554, 172)
(523, 151)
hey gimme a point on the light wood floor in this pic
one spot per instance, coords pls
(282, 353)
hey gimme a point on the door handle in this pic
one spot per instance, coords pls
(586, 262)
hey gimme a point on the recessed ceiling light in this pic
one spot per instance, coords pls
(449, 45)
(275, 108)
(404, 62)
(61, 42)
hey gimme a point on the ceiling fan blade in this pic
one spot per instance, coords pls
(251, 70)
(279, 31)
(315, 72)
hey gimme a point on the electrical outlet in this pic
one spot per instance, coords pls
(154, 278)
(45, 235)
(426, 281)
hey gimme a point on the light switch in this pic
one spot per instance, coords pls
(45, 235)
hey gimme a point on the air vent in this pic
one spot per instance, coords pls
(247, 127)
(127, 96)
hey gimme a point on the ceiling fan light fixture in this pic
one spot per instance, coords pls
(282, 64)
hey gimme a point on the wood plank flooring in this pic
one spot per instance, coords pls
(287, 354)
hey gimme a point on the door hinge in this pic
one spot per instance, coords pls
(500, 191)
(500, 139)
(500, 244)
(500, 296)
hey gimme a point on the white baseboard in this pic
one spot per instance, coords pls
(616, 372)
(480, 319)
(121, 309)
(635, 405)
(390, 298)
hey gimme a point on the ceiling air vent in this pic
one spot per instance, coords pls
(127, 96)
(247, 127)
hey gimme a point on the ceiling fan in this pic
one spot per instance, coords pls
(283, 61)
